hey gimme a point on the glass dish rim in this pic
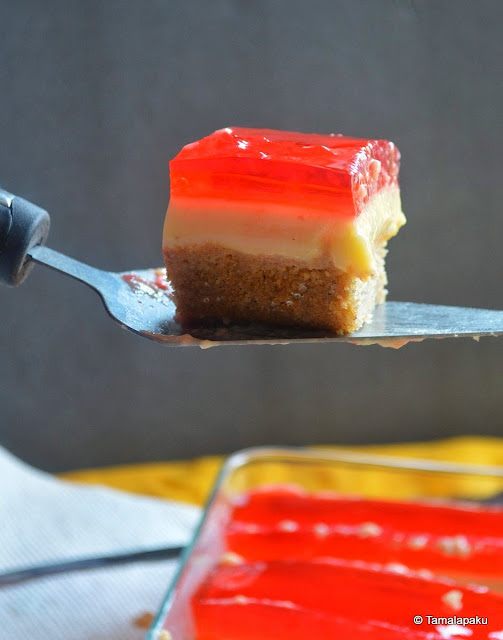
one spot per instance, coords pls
(315, 455)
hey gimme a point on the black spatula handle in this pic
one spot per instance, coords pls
(23, 225)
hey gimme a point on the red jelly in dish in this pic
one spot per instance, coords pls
(301, 565)
(445, 538)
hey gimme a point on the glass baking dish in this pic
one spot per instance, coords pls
(347, 472)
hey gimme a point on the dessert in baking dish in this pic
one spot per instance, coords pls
(281, 228)
(304, 565)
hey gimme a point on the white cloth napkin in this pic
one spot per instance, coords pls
(43, 519)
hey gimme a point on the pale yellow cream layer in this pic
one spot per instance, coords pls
(310, 237)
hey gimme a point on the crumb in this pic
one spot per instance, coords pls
(144, 620)
(455, 546)
(425, 573)
(321, 529)
(164, 635)
(369, 530)
(230, 558)
(396, 567)
(453, 599)
(288, 525)
(417, 542)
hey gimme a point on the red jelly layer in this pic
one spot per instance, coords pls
(334, 173)
(281, 524)
(335, 599)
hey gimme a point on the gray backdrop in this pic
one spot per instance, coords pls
(98, 96)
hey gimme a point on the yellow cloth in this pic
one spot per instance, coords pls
(191, 481)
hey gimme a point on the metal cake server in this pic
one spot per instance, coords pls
(142, 300)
